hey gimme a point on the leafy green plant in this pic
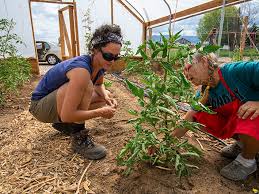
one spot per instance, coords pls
(107, 84)
(126, 50)
(236, 55)
(8, 40)
(14, 70)
(87, 23)
(160, 114)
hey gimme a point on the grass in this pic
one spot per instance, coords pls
(252, 53)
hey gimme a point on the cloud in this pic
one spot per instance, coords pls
(45, 21)
(187, 26)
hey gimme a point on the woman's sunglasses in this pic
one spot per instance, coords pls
(109, 56)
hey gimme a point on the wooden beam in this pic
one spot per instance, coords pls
(112, 21)
(150, 34)
(66, 35)
(243, 36)
(76, 30)
(72, 31)
(61, 36)
(129, 10)
(194, 11)
(48, 1)
(144, 33)
(64, 9)
(35, 66)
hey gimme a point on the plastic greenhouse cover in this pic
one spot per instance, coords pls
(154, 9)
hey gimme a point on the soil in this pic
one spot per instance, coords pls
(35, 158)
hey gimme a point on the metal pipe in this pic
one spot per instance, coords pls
(221, 22)
(136, 11)
(170, 18)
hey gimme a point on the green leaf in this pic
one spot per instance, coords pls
(210, 48)
(171, 101)
(107, 84)
(155, 53)
(198, 46)
(197, 106)
(164, 55)
(186, 83)
(143, 54)
(182, 143)
(139, 92)
(152, 45)
(163, 109)
(123, 152)
(175, 36)
(177, 161)
(141, 102)
(164, 39)
(167, 66)
(133, 112)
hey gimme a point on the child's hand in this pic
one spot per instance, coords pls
(250, 108)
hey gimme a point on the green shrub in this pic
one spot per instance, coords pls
(159, 114)
(14, 70)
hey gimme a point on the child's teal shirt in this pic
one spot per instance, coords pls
(243, 80)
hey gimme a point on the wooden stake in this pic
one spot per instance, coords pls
(243, 36)
(72, 30)
(144, 33)
(112, 21)
(76, 30)
(61, 35)
(66, 35)
(79, 182)
(35, 67)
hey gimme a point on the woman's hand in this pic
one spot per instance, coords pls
(247, 109)
(111, 101)
(107, 112)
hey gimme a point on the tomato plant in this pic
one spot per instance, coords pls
(160, 113)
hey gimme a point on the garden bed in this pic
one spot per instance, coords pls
(34, 158)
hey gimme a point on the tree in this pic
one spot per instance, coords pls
(231, 25)
(250, 9)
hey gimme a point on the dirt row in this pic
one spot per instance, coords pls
(34, 158)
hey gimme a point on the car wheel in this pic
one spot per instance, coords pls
(52, 59)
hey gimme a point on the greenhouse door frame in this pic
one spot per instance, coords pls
(73, 50)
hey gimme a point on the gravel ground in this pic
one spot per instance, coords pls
(44, 67)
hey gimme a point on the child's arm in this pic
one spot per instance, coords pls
(179, 132)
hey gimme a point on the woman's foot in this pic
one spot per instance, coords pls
(239, 169)
(82, 143)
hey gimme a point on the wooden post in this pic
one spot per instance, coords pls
(72, 31)
(57, 2)
(112, 20)
(243, 36)
(61, 35)
(144, 33)
(35, 67)
(76, 30)
(66, 35)
(150, 34)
